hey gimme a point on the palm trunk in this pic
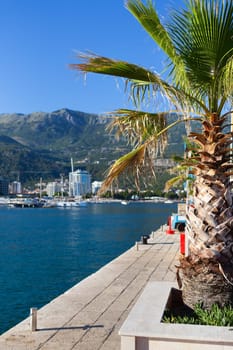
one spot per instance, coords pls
(208, 269)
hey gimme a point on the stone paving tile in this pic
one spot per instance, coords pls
(113, 307)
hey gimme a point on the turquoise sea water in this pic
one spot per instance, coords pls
(44, 252)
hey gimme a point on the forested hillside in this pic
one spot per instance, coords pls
(42, 144)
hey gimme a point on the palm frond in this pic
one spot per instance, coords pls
(138, 126)
(129, 162)
(227, 78)
(103, 65)
(141, 81)
(174, 181)
(144, 154)
(149, 20)
(202, 36)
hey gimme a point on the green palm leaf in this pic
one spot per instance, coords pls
(141, 80)
(138, 126)
(149, 20)
(227, 79)
(129, 162)
(174, 181)
(203, 39)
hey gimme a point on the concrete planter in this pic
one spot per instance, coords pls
(143, 329)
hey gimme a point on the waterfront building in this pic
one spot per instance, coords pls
(16, 187)
(52, 188)
(4, 187)
(79, 183)
(96, 185)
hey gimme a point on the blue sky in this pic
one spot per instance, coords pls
(40, 38)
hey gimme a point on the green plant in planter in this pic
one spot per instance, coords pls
(198, 84)
(216, 316)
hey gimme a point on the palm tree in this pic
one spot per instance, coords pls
(198, 82)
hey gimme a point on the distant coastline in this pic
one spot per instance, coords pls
(32, 202)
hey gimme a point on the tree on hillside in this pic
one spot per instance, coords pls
(198, 42)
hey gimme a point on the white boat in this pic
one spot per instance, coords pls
(71, 204)
(124, 202)
(4, 201)
(63, 204)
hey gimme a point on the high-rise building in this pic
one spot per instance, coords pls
(79, 183)
(16, 187)
(4, 187)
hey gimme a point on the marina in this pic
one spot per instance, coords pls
(42, 202)
(46, 202)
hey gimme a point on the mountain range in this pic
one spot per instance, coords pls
(42, 144)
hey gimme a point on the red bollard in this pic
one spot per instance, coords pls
(170, 231)
(182, 243)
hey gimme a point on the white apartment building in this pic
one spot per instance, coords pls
(96, 185)
(79, 183)
(52, 188)
(16, 187)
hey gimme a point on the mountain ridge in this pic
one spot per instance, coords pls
(54, 138)
(45, 142)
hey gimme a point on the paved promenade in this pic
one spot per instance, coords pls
(89, 315)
